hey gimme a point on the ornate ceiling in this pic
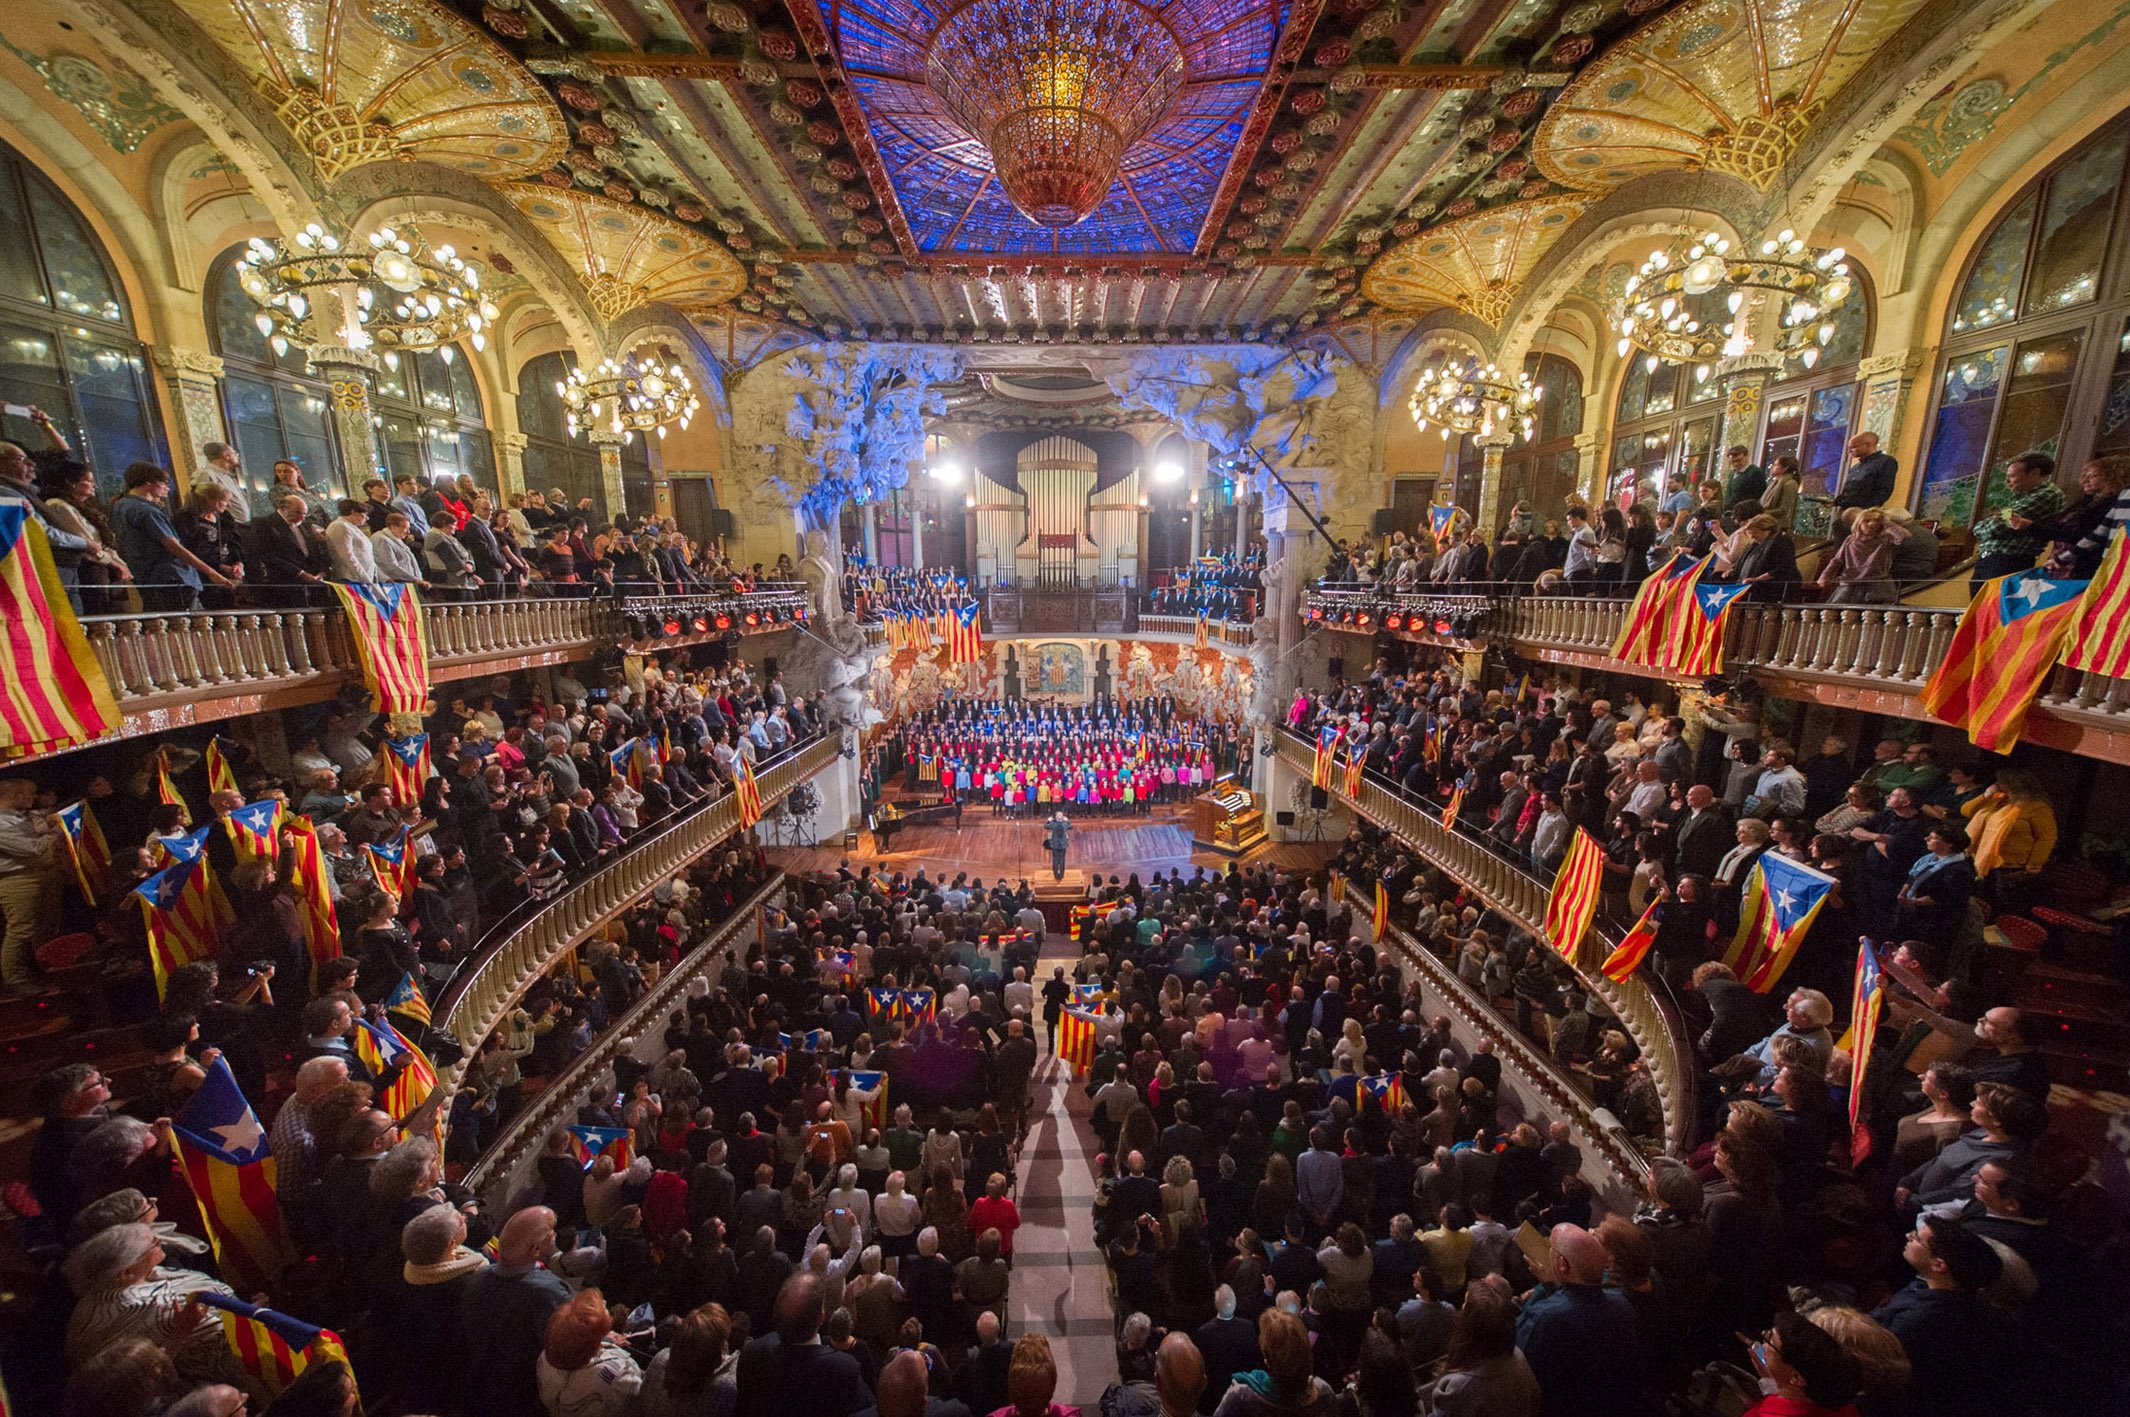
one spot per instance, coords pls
(1476, 264)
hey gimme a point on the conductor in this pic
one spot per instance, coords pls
(1055, 833)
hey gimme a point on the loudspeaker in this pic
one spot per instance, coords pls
(1337, 667)
(722, 523)
(1383, 521)
(1283, 819)
(1318, 797)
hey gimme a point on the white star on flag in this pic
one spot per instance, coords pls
(2031, 590)
(1784, 899)
(242, 1135)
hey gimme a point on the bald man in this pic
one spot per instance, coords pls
(789, 1372)
(1581, 1339)
(509, 1304)
(1179, 1375)
(902, 1391)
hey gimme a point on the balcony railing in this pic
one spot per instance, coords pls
(506, 1159)
(1647, 1016)
(529, 945)
(170, 670)
(1868, 656)
(1227, 634)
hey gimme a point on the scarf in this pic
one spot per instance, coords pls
(460, 1261)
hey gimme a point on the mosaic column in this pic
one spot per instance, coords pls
(1887, 381)
(1742, 377)
(347, 374)
(608, 443)
(1590, 467)
(1492, 447)
(510, 463)
(191, 375)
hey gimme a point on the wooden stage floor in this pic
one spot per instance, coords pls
(990, 847)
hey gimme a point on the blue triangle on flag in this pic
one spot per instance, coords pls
(2021, 596)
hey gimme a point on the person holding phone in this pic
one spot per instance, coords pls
(1808, 1370)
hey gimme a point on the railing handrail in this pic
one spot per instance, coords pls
(524, 1134)
(512, 956)
(1649, 1017)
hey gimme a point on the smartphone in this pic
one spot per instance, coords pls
(15, 410)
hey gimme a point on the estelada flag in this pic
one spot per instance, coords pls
(876, 1111)
(230, 1166)
(384, 1049)
(1642, 631)
(1866, 996)
(2008, 641)
(219, 776)
(1452, 808)
(1379, 922)
(1633, 947)
(1386, 1090)
(255, 829)
(1693, 645)
(55, 694)
(920, 1006)
(885, 1003)
(408, 1000)
(1203, 631)
(1780, 899)
(314, 893)
(386, 622)
(1575, 894)
(1076, 1040)
(965, 644)
(2100, 641)
(179, 927)
(1441, 516)
(407, 767)
(274, 1348)
(166, 790)
(86, 847)
(392, 863)
(1354, 765)
(1327, 750)
(628, 762)
(749, 795)
(588, 1144)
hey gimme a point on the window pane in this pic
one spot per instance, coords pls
(110, 392)
(1991, 295)
(2034, 401)
(434, 377)
(1694, 452)
(539, 407)
(2113, 435)
(1563, 402)
(477, 458)
(1634, 391)
(403, 447)
(81, 286)
(29, 375)
(1663, 381)
(1957, 441)
(465, 394)
(1851, 319)
(1826, 440)
(307, 436)
(392, 383)
(235, 316)
(18, 263)
(442, 442)
(2074, 225)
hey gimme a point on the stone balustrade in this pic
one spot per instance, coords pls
(507, 1161)
(532, 943)
(170, 670)
(1225, 634)
(1648, 1017)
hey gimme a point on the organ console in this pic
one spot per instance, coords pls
(1227, 819)
(890, 818)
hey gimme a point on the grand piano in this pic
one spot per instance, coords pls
(891, 817)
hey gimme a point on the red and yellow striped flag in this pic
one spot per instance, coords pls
(219, 776)
(314, 893)
(1867, 994)
(1380, 921)
(1327, 750)
(1643, 630)
(230, 1165)
(1076, 1040)
(749, 793)
(407, 767)
(180, 924)
(965, 637)
(53, 691)
(274, 1348)
(2100, 641)
(1452, 808)
(1203, 632)
(1575, 894)
(1633, 948)
(1354, 765)
(386, 622)
(382, 1048)
(2008, 641)
(86, 847)
(166, 790)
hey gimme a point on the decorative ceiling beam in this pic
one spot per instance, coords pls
(687, 65)
(1438, 78)
(1271, 93)
(1019, 261)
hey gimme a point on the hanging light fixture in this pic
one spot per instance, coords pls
(1474, 398)
(392, 292)
(1660, 311)
(637, 395)
(1056, 91)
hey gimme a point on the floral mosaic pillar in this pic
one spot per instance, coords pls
(1744, 379)
(1590, 467)
(510, 463)
(191, 375)
(608, 443)
(347, 374)
(1887, 379)
(1492, 447)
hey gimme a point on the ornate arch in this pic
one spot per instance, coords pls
(1444, 331)
(651, 322)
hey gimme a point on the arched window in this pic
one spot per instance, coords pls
(1665, 422)
(2037, 350)
(554, 458)
(271, 404)
(1543, 470)
(1811, 414)
(67, 344)
(429, 413)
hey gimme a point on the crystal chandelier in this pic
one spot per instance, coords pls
(391, 292)
(1057, 91)
(636, 396)
(1659, 314)
(1474, 398)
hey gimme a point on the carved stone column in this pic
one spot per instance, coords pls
(1492, 448)
(1742, 378)
(347, 373)
(608, 443)
(1887, 380)
(916, 512)
(1195, 479)
(869, 529)
(191, 375)
(1590, 467)
(510, 463)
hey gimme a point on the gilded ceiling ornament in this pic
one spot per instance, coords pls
(116, 102)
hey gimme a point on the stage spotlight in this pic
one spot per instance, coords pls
(948, 474)
(1363, 619)
(753, 619)
(1394, 621)
(1168, 472)
(724, 622)
(671, 627)
(1316, 614)
(1442, 626)
(701, 624)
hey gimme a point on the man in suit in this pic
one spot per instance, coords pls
(1704, 833)
(1868, 481)
(1056, 832)
(790, 1371)
(282, 552)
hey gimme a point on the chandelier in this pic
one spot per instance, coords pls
(1056, 91)
(636, 396)
(1661, 314)
(1474, 398)
(392, 292)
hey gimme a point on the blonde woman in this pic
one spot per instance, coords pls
(1860, 572)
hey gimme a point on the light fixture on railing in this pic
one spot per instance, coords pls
(1658, 314)
(630, 396)
(1474, 398)
(391, 292)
